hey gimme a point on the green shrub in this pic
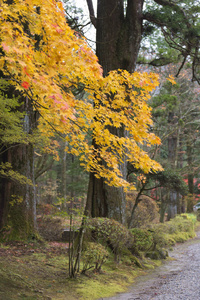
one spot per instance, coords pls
(153, 254)
(162, 239)
(181, 237)
(111, 233)
(143, 239)
(94, 256)
(137, 240)
(157, 254)
(176, 230)
(180, 224)
(192, 217)
(128, 258)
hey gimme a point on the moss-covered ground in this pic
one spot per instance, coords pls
(34, 271)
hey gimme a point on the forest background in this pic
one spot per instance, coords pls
(49, 147)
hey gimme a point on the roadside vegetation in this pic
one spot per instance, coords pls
(112, 257)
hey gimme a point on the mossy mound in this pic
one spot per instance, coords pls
(177, 230)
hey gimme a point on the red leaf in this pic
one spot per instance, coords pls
(25, 85)
(25, 71)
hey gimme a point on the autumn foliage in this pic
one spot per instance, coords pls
(46, 61)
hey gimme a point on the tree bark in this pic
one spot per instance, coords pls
(163, 207)
(189, 152)
(172, 150)
(118, 38)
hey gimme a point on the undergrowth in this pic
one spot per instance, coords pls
(41, 271)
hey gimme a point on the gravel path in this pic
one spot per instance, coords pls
(178, 279)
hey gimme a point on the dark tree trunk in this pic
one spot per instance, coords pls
(117, 44)
(163, 204)
(3, 192)
(118, 34)
(17, 199)
(190, 170)
(172, 207)
(172, 156)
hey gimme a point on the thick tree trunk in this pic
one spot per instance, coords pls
(17, 199)
(172, 206)
(117, 44)
(163, 207)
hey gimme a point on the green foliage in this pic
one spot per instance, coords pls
(180, 224)
(11, 119)
(181, 237)
(179, 21)
(94, 256)
(6, 171)
(192, 217)
(111, 233)
(171, 179)
(11, 130)
(176, 230)
(143, 239)
(176, 115)
(165, 235)
(157, 254)
(169, 100)
(162, 239)
(151, 241)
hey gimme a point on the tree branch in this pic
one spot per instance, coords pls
(137, 201)
(182, 65)
(91, 11)
(175, 7)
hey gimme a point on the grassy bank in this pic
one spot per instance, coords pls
(40, 271)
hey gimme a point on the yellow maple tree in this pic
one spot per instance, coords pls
(46, 60)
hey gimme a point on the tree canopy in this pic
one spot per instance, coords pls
(46, 61)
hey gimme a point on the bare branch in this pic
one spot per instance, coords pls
(182, 65)
(91, 11)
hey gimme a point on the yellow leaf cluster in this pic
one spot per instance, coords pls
(45, 60)
(171, 79)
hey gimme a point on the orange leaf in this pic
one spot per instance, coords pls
(25, 85)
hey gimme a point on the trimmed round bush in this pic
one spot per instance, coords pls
(143, 239)
(94, 256)
(111, 233)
